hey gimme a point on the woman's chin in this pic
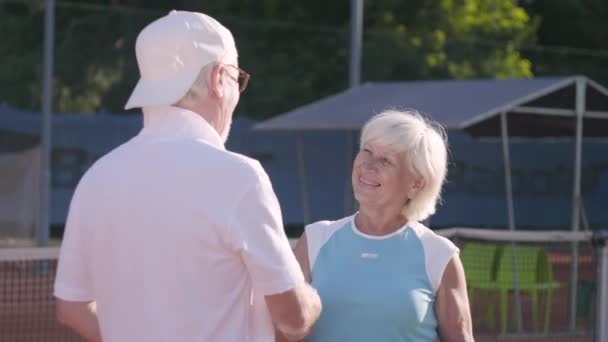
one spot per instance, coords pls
(363, 199)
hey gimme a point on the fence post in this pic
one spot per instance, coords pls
(599, 239)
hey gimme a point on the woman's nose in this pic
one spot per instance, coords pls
(369, 164)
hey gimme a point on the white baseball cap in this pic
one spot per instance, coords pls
(171, 51)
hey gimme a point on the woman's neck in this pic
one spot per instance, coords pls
(378, 221)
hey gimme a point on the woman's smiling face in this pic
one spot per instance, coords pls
(381, 177)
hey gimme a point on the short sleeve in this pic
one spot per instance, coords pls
(438, 252)
(259, 235)
(315, 239)
(73, 282)
(317, 235)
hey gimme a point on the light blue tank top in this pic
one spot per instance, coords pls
(374, 288)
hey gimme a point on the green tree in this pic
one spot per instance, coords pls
(297, 51)
(454, 39)
(573, 38)
(90, 59)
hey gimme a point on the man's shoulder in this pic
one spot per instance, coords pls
(197, 153)
(245, 168)
(99, 166)
(200, 156)
(243, 161)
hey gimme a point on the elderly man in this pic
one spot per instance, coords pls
(170, 237)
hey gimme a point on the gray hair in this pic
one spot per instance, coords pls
(424, 142)
(200, 87)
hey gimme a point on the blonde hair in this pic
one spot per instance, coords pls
(424, 142)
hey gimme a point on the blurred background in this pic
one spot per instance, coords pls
(299, 52)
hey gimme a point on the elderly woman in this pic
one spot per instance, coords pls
(382, 275)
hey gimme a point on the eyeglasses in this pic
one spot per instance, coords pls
(242, 79)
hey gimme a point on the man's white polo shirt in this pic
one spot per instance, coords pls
(176, 239)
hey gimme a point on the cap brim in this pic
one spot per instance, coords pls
(161, 92)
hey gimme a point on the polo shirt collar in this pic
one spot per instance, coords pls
(175, 122)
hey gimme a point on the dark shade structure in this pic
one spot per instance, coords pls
(539, 107)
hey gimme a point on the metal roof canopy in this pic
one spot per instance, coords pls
(535, 108)
(539, 107)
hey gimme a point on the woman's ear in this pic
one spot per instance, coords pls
(418, 185)
(216, 81)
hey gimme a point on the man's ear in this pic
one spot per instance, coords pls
(216, 81)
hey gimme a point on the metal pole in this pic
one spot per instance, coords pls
(601, 303)
(303, 182)
(354, 79)
(494, 29)
(576, 195)
(42, 233)
(356, 39)
(504, 129)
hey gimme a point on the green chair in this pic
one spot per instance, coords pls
(584, 304)
(535, 276)
(480, 261)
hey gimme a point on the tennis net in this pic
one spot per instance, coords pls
(519, 285)
(27, 307)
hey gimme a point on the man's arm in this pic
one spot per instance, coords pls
(259, 237)
(294, 312)
(81, 317)
(452, 305)
(301, 253)
(73, 286)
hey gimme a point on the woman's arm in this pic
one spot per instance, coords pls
(301, 252)
(452, 304)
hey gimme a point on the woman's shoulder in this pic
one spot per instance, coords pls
(319, 233)
(428, 236)
(438, 251)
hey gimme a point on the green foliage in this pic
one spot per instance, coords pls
(483, 38)
(92, 57)
(578, 25)
(296, 51)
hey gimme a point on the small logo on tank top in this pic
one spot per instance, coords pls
(367, 255)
